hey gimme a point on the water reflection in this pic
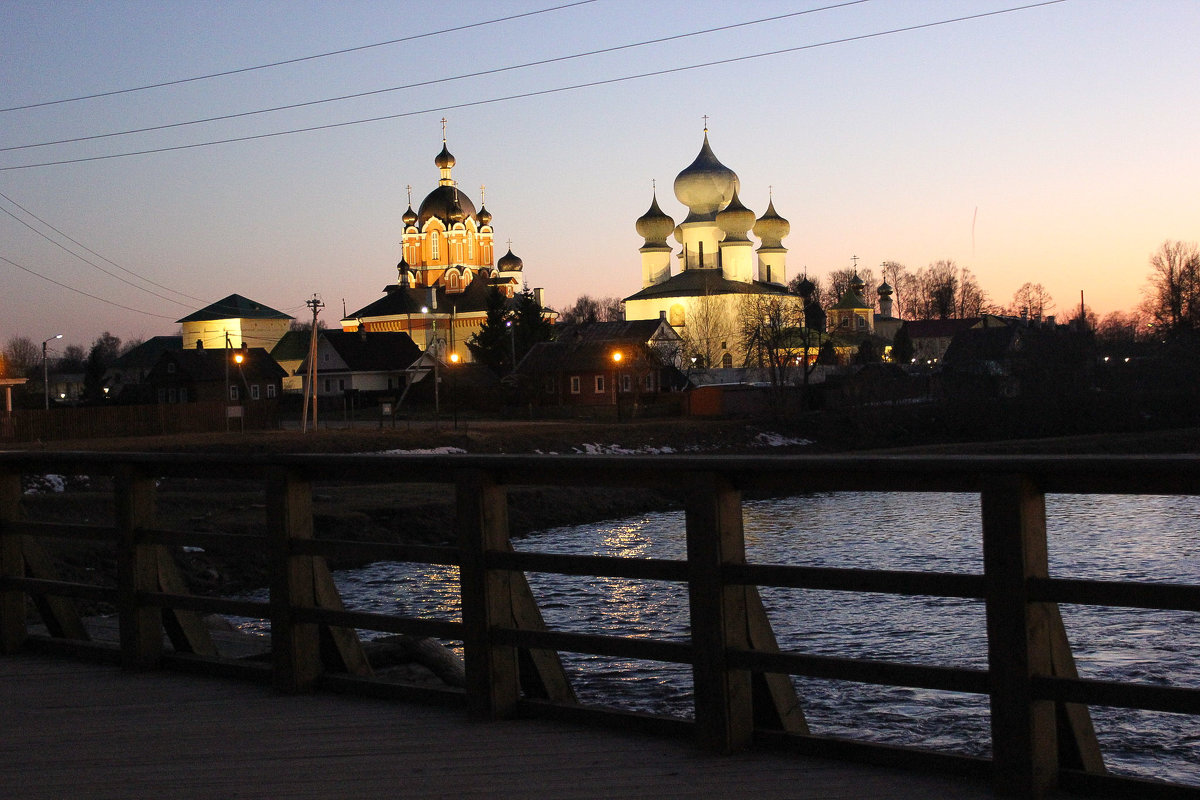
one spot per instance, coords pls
(1111, 538)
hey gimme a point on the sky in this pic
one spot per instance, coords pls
(1055, 144)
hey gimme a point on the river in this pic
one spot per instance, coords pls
(1102, 537)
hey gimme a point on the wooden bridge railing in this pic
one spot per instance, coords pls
(1042, 733)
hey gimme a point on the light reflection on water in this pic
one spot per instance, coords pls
(1102, 537)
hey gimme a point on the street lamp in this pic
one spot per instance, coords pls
(454, 387)
(512, 344)
(436, 374)
(616, 357)
(45, 369)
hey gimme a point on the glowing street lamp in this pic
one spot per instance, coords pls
(616, 357)
(45, 370)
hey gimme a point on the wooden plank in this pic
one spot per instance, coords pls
(542, 674)
(776, 704)
(295, 645)
(12, 565)
(185, 629)
(137, 568)
(492, 671)
(1078, 747)
(724, 699)
(344, 651)
(58, 613)
(1023, 637)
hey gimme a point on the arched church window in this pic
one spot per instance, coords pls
(727, 360)
(434, 244)
(452, 281)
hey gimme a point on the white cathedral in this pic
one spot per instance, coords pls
(718, 263)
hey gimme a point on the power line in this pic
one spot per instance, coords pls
(93, 252)
(79, 291)
(434, 81)
(542, 92)
(240, 70)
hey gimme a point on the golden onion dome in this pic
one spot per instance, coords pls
(509, 262)
(735, 219)
(654, 226)
(444, 160)
(771, 228)
(706, 185)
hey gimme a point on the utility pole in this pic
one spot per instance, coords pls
(310, 385)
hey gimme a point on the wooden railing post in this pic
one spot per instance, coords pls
(724, 699)
(137, 569)
(295, 646)
(12, 565)
(492, 674)
(1024, 742)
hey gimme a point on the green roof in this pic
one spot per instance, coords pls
(234, 307)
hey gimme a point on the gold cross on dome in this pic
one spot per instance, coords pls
(409, 188)
(443, 130)
(706, 123)
(482, 193)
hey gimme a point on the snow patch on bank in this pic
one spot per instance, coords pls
(765, 439)
(596, 449)
(428, 451)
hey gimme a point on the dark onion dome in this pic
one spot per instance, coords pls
(706, 185)
(484, 216)
(410, 216)
(444, 160)
(771, 228)
(447, 204)
(735, 219)
(857, 283)
(510, 263)
(805, 288)
(654, 226)
(884, 289)
(402, 271)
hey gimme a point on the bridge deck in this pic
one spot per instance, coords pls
(72, 729)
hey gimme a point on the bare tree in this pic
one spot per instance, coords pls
(705, 327)
(771, 332)
(592, 309)
(903, 285)
(944, 291)
(1172, 300)
(1031, 301)
(21, 357)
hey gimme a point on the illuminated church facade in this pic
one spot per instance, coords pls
(718, 264)
(446, 271)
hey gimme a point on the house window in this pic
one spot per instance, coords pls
(599, 384)
(626, 383)
(183, 395)
(452, 282)
(171, 367)
(254, 392)
(648, 382)
(862, 322)
(162, 395)
(727, 360)
(575, 387)
(172, 396)
(233, 393)
(270, 390)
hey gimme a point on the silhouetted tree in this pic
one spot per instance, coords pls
(592, 309)
(491, 345)
(1172, 300)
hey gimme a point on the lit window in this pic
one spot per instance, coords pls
(434, 246)
(233, 393)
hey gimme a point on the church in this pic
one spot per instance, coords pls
(446, 271)
(718, 264)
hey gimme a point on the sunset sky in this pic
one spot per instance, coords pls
(1057, 144)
